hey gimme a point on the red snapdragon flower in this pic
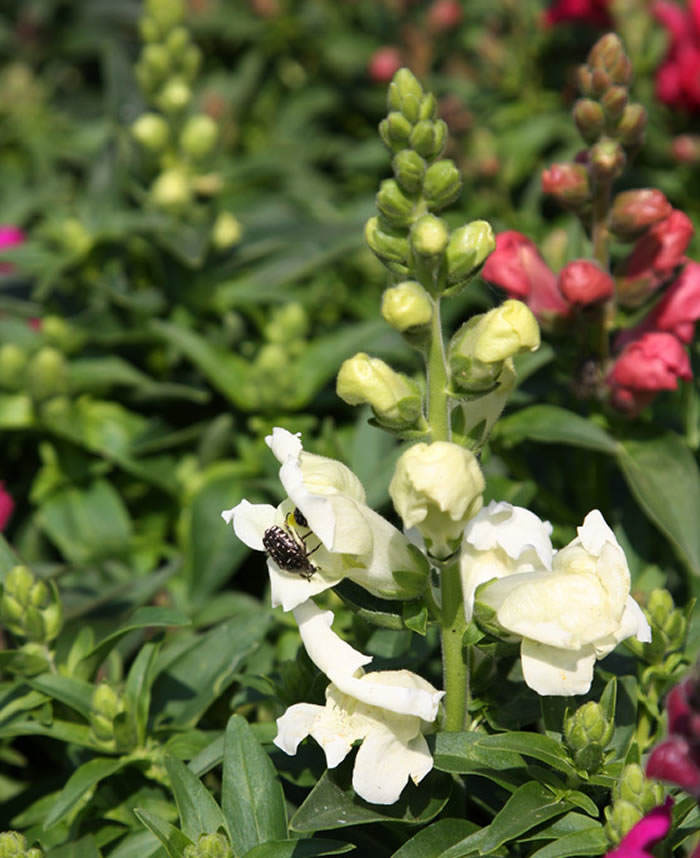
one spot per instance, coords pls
(517, 267)
(584, 282)
(652, 828)
(7, 505)
(444, 15)
(678, 77)
(384, 63)
(593, 12)
(10, 236)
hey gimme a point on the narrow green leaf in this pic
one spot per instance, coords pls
(252, 798)
(199, 812)
(73, 692)
(86, 847)
(174, 841)
(432, 841)
(137, 691)
(591, 841)
(299, 848)
(664, 478)
(553, 425)
(82, 781)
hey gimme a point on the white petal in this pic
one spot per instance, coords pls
(557, 672)
(594, 532)
(295, 725)
(383, 766)
(283, 443)
(633, 622)
(250, 521)
(399, 691)
(289, 589)
(336, 734)
(514, 529)
(329, 652)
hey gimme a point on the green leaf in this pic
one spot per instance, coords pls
(73, 692)
(251, 794)
(137, 691)
(81, 782)
(553, 425)
(432, 841)
(140, 844)
(86, 847)
(299, 848)
(142, 618)
(664, 478)
(199, 812)
(101, 373)
(22, 663)
(60, 731)
(332, 803)
(590, 841)
(174, 841)
(8, 558)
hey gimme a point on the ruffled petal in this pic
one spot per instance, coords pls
(284, 444)
(250, 521)
(557, 672)
(288, 589)
(399, 691)
(383, 766)
(295, 725)
(329, 652)
(514, 529)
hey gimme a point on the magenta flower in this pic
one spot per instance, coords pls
(10, 236)
(645, 834)
(6, 506)
(677, 759)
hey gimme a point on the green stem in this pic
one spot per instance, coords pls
(454, 664)
(438, 405)
(601, 253)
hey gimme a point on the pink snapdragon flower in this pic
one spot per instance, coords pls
(384, 63)
(10, 236)
(652, 828)
(7, 505)
(678, 77)
(593, 12)
(583, 282)
(677, 759)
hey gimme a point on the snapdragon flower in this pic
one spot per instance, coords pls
(340, 536)
(389, 711)
(569, 615)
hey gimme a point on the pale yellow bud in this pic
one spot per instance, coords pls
(394, 397)
(406, 306)
(226, 231)
(151, 131)
(505, 331)
(171, 190)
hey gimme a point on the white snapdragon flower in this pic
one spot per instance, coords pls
(336, 536)
(570, 615)
(502, 540)
(387, 710)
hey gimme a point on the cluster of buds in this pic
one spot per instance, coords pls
(29, 607)
(35, 361)
(181, 141)
(586, 733)
(669, 628)
(677, 758)
(105, 706)
(632, 366)
(14, 845)
(209, 846)
(633, 796)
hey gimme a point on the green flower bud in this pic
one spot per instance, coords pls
(209, 846)
(395, 131)
(607, 159)
(429, 236)
(608, 55)
(669, 625)
(156, 61)
(177, 40)
(584, 78)
(105, 707)
(409, 169)
(149, 30)
(405, 94)
(394, 205)
(199, 135)
(151, 131)
(13, 360)
(289, 322)
(631, 127)
(14, 845)
(620, 818)
(589, 119)
(614, 102)
(272, 359)
(166, 13)
(226, 231)
(171, 190)
(442, 184)
(190, 62)
(428, 107)
(74, 237)
(395, 398)
(437, 488)
(467, 250)
(47, 373)
(62, 334)
(429, 138)
(175, 96)
(407, 306)
(28, 607)
(587, 732)
(391, 249)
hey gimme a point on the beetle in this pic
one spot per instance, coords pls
(287, 548)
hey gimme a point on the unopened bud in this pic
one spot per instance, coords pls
(429, 236)
(74, 237)
(198, 136)
(583, 282)
(609, 55)
(47, 373)
(209, 846)
(395, 398)
(584, 78)
(149, 29)
(589, 119)
(568, 183)
(631, 127)
(13, 360)
(613, 103)
(171, 190)
(635, 211)
(396, 207)
(175, 96)
(28, 607)
(14, 845)
(442, 184)
(620, 819)
(405, 94)
(395, 131)
(166, 13)
(429, 138)
(106, 705)
(391, 249)
(190, 62)
(407, 306)
(467, 250)
(177, 40)
(437, 488)
(409, 169)
(156, 61)
(667, 619)
(151, 131)
(428, 107)
(587, 732)
(607, 159)
(226, 231)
